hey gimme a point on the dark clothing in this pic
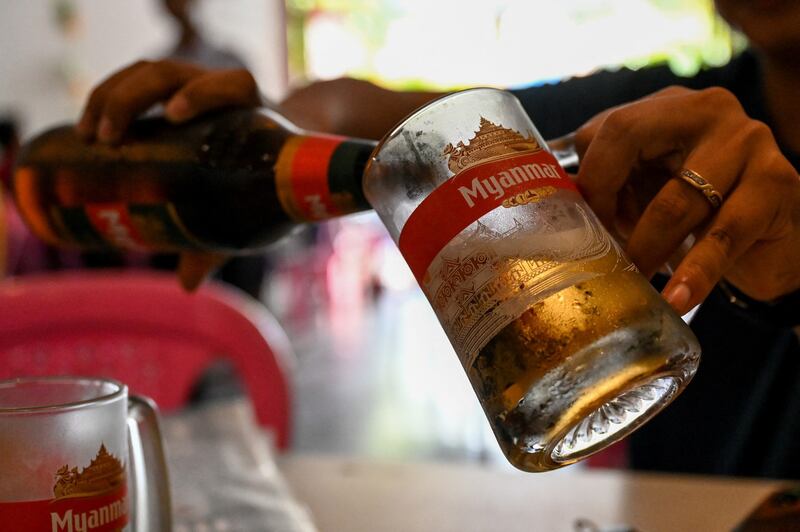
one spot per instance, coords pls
(741, 413)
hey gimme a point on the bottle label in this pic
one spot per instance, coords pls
(92, 500)
(135, 227)
(508, 229)
(319, 177)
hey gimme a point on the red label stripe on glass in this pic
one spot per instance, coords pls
(100, 513)
(312, 195)
(113, 222)
(464, 198)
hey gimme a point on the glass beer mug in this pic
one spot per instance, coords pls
(64, 458)
(566, 344)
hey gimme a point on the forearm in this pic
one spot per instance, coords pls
(351, 107)
(385, 111)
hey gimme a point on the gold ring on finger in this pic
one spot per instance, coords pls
(699, 182)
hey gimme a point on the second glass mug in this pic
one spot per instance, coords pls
(68, 448)
(567, 346)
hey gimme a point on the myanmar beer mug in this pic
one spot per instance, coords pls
(67, 448)
(567, 346)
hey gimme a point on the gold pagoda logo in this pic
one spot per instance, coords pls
(490, 141)
(103, 474)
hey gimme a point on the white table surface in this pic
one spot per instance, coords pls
(357, 495)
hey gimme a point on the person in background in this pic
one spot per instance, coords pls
(191, 46)
(736, 127)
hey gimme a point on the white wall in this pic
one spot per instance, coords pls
(256, 31)
(45, 74)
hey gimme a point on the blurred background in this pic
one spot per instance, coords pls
(375, 375)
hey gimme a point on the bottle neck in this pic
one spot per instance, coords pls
(318, 177)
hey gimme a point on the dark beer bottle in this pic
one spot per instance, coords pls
(229, 182)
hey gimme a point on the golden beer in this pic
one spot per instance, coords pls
(554, 374)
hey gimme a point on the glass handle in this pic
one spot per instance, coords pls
(563, 149)
(151, 506)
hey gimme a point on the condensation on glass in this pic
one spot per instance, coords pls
(566, 344)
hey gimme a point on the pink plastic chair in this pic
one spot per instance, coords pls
(139, 327)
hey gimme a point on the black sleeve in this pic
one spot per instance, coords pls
(557, 109)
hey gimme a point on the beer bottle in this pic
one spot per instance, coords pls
(229, 182)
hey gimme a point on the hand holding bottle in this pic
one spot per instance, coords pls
(225, 183)
(186, 91)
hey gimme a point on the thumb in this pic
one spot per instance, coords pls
(213, 90)
(194, 268)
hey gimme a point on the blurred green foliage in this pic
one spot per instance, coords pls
(370, 20)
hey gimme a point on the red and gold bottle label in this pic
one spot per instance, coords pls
(92, 500)
(136, 227)
(319, 177)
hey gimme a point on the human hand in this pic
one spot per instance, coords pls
(186, 91)
(630, 157)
